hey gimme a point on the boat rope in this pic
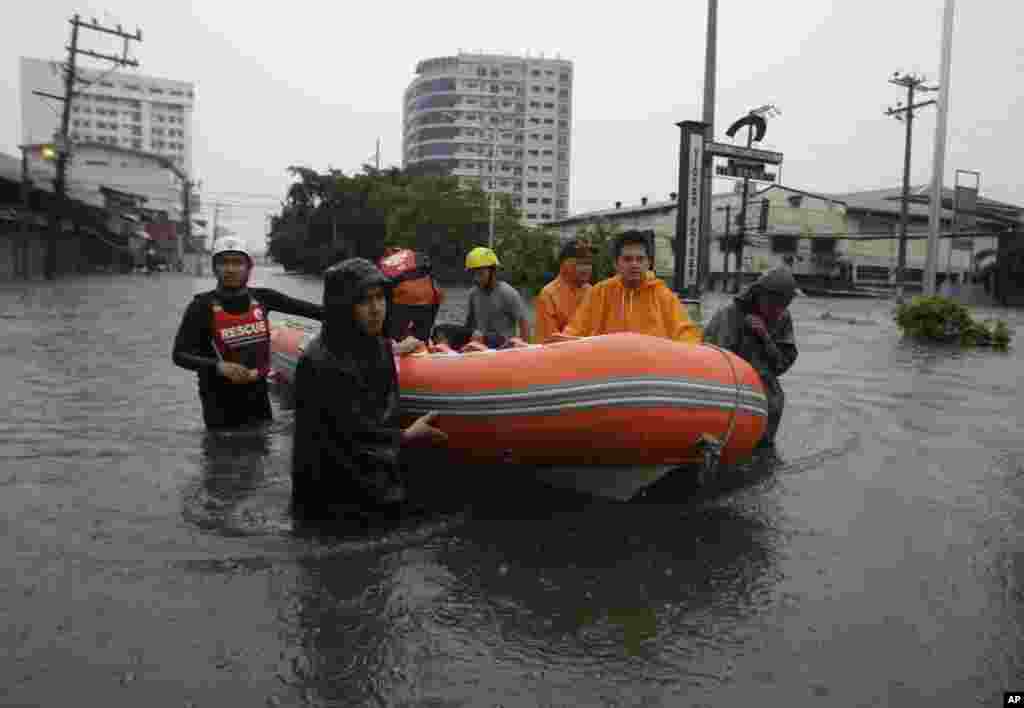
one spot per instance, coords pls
(737, 387)
(710, 445)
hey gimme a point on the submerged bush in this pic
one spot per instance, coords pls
(941, 319)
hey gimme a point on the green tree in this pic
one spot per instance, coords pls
(332, 215)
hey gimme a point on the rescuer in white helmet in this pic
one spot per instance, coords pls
(225, 338)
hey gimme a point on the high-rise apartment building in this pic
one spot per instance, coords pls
(501, 120)
(120, 109)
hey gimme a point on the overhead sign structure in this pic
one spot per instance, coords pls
(745, 153)
(741, 169)
(688, 215)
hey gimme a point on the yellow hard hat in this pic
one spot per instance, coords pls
(481, 257)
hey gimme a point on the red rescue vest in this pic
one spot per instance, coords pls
(243, 338)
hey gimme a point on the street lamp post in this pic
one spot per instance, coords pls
(495, 134)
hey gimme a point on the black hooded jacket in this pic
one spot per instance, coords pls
(728, 329)
(346, 394)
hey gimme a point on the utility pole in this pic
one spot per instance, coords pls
(710, 66)
(728, 247)
(741, 237)
(216, 216)
(377, 162)
(63, 149)
(912, 83)
(939, 155)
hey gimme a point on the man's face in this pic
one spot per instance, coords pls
(371, 310)
(584, 271)
(482, 277)
(633, 264)
(232, 269)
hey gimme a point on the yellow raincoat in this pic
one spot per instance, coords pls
(650, 309)
(557, 302)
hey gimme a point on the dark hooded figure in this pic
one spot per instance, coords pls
(757, 326)
(345, 455)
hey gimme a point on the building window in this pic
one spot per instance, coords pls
(531, 200)
(545, 200)
(531, 185)
(549, 89)
(535, 89)
(564, 76)
(563, 140)
(156, 91)
(547, 153)
(549, 105)
(564, 93)
(549, 136)
(546, 168)
(545, 216)
(137, 144)
(549, 121)
(535, 72)
(531, 216)
(560, 204)
(564, 124)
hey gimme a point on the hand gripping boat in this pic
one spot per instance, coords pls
(606, 415)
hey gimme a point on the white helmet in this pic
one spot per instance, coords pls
(231, 244)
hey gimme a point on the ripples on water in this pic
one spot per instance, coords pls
(879, 563)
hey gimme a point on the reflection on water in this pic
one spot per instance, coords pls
(887, 539)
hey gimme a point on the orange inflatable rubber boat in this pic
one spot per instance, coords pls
(605, 415)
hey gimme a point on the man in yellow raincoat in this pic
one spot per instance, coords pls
(556, 303)
(634, 300)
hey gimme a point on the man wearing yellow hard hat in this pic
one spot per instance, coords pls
(496, 310)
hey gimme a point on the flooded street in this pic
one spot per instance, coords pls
(150, 563)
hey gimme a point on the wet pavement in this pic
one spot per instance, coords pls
(150, 563)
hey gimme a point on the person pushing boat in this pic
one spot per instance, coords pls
(345, 456)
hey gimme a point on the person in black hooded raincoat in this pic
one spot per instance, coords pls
(346, 446)
(757, 326)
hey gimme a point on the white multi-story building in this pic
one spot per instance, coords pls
(121, 109)
(502, 120)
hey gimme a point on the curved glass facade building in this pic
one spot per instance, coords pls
(503, 121)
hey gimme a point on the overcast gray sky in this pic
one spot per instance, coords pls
(317, 83)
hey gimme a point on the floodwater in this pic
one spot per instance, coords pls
(149, 563)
